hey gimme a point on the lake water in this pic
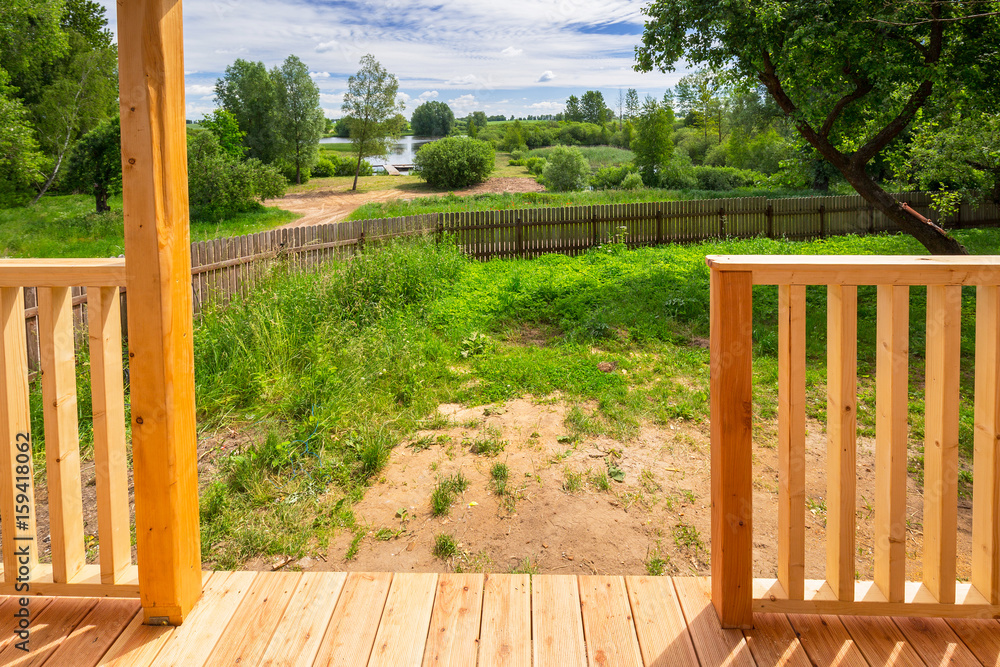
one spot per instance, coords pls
(401, 153)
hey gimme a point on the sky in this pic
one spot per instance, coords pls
(514, 57)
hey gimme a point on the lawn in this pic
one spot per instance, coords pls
(66, 226)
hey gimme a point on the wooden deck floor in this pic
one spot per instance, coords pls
(250, 618)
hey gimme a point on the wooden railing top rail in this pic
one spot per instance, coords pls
(73, 272)
(862, 269)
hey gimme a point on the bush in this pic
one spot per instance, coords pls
(516, 155)
(608, 178)
(323, 168)
(676, 175)
(632, 182)
(455, 162)
(288, 171)
(567, 169)
(724, 178)
(220, 185)
(535, 165)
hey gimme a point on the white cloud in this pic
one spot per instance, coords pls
(548, 106)
(326, 47)
(463, 104)
(547, 75)
(510, 51)
(427, 95)
(319, 75)
(196, 89)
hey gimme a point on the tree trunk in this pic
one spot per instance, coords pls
(298, 173)
(932, 237)
(356, 172)
(101, 200)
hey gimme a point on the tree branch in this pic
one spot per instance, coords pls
(862, 88)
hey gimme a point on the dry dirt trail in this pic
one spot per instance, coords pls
(324, 206)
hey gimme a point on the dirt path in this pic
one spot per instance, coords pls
(333, 205)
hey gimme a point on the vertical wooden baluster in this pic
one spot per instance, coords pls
(986, 463)
(792, 439)
(62, 440)
(842, 396)
(944, 341)
(731, 415)
(891, 431)
(110, 463)
(19, 544)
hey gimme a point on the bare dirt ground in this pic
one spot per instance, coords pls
(660, 509)
(323, 206)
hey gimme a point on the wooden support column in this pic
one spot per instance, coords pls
(731, 428)
(986, 457)
(792, 439)
(158, 277)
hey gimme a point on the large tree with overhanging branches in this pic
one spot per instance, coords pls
(851, 74)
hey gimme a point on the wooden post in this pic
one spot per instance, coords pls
(659, 225)
(769, 214)
(722, 222)
(520, 239)
(792, 439)
(158, 277)
(731, 417)
(440, 227)
(986, 445)
(822, 221)
(593, 226)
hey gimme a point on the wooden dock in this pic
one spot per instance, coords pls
(335, 618)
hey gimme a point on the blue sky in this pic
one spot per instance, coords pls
(516, 57)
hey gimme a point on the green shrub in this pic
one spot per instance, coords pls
(220, 185)
(288, 171)
(607, 178)
(676, 175)
(455, 162)
(632, 182)
(324, 168)
(516, 155)
(724, 178)
(567, 169)
(535, 165)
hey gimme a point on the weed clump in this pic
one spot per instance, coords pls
(445, 546)
(443, 496)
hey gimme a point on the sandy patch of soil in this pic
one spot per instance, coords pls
(325, 206)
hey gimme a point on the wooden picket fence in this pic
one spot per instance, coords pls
(222, 269)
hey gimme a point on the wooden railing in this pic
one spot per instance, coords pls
(68, 573)
(735, 593)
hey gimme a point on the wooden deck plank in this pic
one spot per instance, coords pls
(90, 640)
(349, 639)
(714, 645)
(48, 630)
(505, 637)
(453, 639)
(826, 641)
(880, 641)
(935, 642)
(556, 623)
(659, 622)
(261, 609)
(607, 622)
(9, 622)
(772, 641)
(191, 644)
(981, 636)
(402, 632)
(298, 635)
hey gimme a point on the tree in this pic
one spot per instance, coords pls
(221, 184)
(478, 118)
(249, 92)
(432, 119)
(652, 142)
(370, 104)
(699, 94)
(300, 117)
(851, 75)
(226, 129)
(592, 107)
(96, 163)
(20, 159)
(455, 162)
(566, 169)
(631, 103)
(573, 112)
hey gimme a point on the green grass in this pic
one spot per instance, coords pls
(327, 373)
(445, 546)
(66, 226)
(597, 156)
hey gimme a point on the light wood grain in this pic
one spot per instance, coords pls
(714, 644)
(936, 643)
(986, 445)
(349, 638)
(61, 272)
(826, 641)
(260, 610)
(453, 638)
(300, 630)
(772, 641)
(110, 458)
(982, 636)
(402, 632)
(95, 634)
(941, 409)
(891, 434)
(505, 635)
(158, 277)
(881, 642)
(11, 624)
(792, 438)
(659, 622)
(62, 443)
(731, 417)
(20, 548)
(557, 626)
(49, 630)
(841, 429)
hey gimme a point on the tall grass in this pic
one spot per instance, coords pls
(597, 156)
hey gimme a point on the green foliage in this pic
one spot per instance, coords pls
(96, 163)
(324, 168)
(445, 546)
(597, 156)
(250, 94)
(226, 128)
(443, 496)
(300, 117)
(632, 182)
(513, 138)
(220, 185)
(592, 108)
(372, 111)
(612, 177)
(535, 165)
(432, 119)
(455, 162)
(20, 159)
(724, 178)
(566, 169)
(652, 143)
